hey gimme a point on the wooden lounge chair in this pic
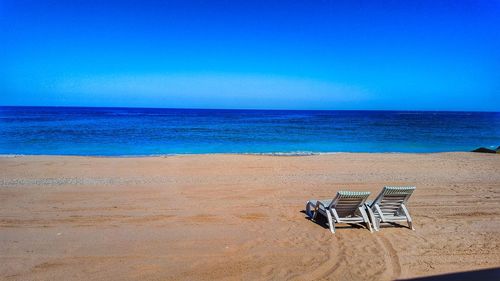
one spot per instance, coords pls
(346, 207)
(390, 206)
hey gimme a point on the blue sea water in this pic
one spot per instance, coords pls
(146, 131)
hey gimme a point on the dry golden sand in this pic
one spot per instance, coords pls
(239, 217)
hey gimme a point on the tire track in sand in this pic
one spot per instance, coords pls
(329, 266)
(393, 267)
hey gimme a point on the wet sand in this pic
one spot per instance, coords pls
(240, 217)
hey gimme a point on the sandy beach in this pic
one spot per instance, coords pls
(240, 217)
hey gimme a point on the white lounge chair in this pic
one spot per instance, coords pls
(390, 206)
(346, 207)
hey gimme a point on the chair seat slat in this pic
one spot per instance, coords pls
(345, 207)
(391, 203)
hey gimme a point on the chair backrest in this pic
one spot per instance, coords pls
(391, 198)
(346, 203)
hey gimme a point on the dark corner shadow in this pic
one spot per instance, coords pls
(323, 222)
(485, 274)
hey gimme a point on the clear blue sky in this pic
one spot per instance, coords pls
(421, 55)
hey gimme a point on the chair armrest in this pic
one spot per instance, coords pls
(335, 215)
(379, 212)
(318, 203)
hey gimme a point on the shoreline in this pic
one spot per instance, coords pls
(285, 154)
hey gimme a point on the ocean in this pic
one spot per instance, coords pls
(151, 131)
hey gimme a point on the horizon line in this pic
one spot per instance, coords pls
(247, 109)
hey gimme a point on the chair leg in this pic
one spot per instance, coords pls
(365, 218)
(373, 219)
(381, 217)
(408, 218)
(308, 210)
(315, 213)
(330, 221)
